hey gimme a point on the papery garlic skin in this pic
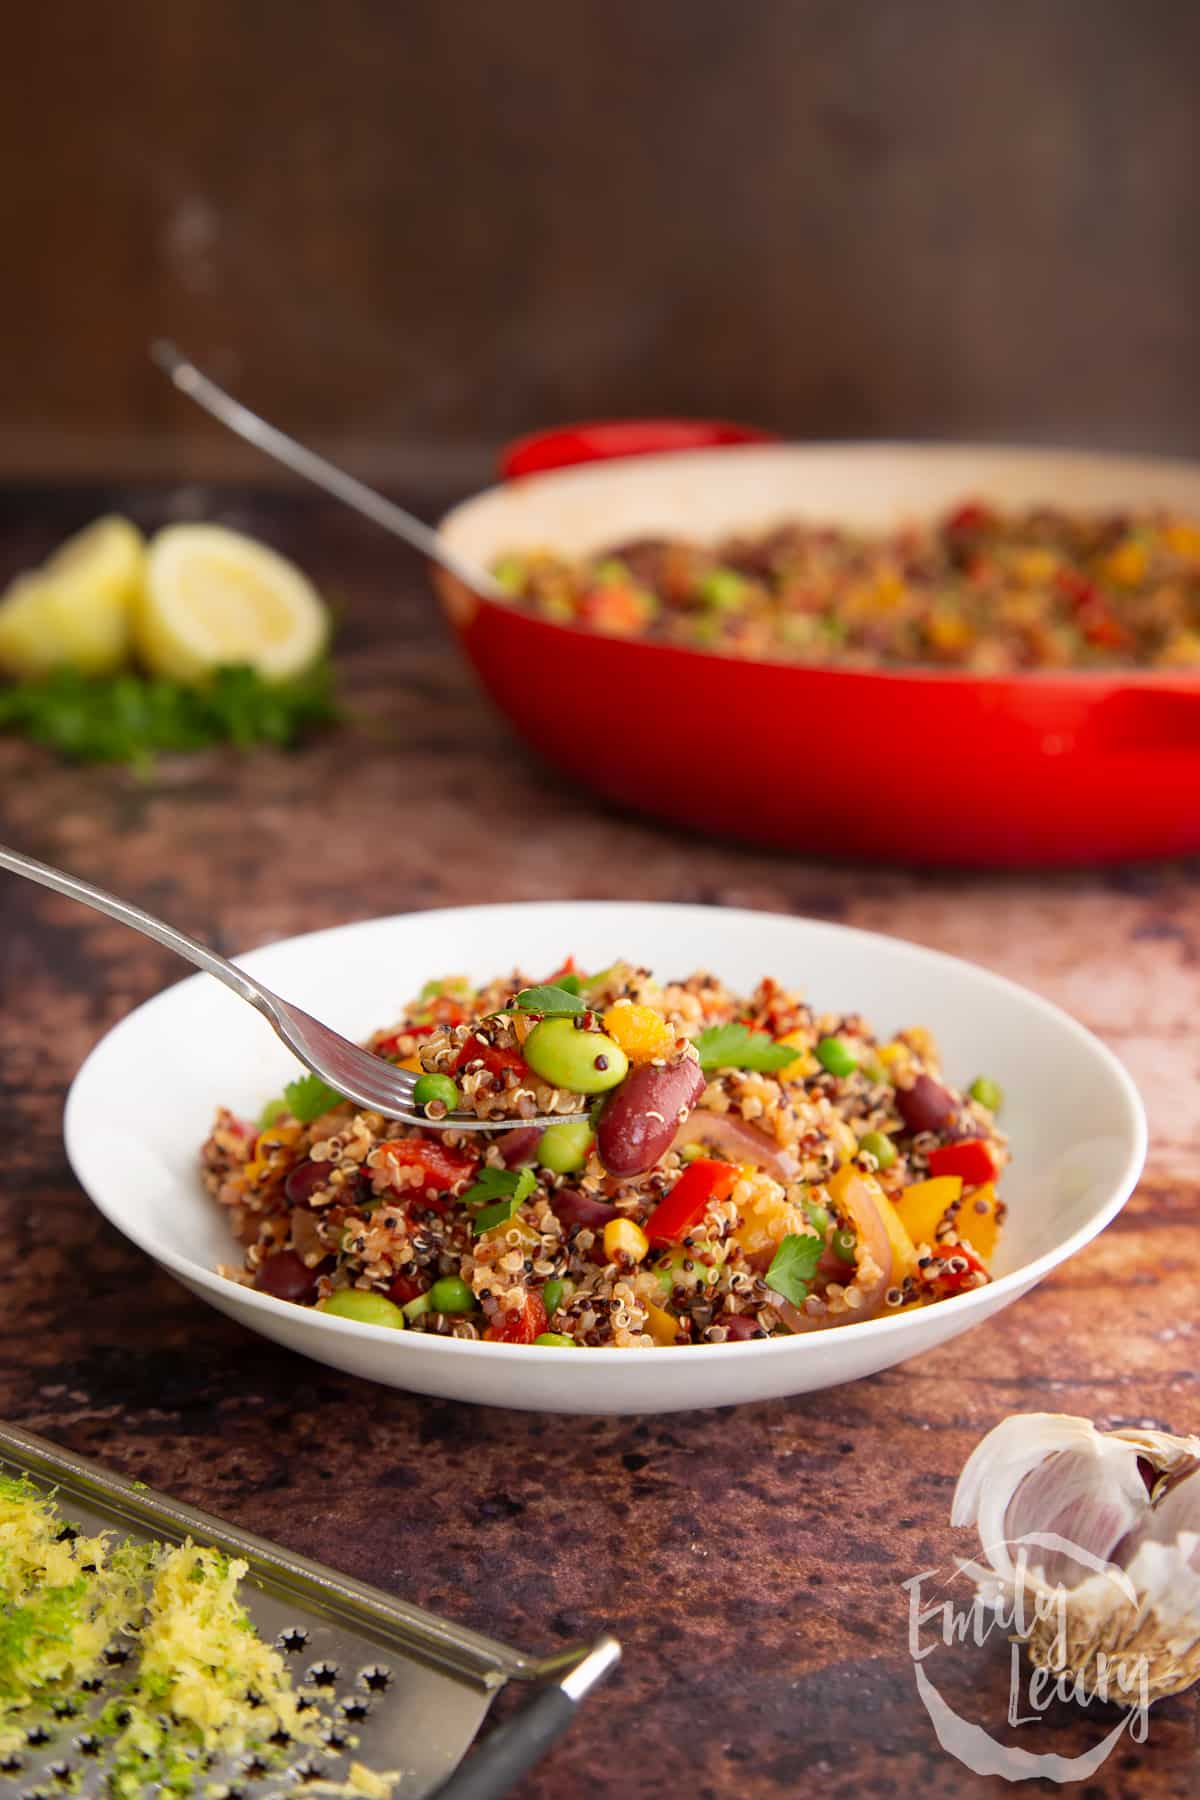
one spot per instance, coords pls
(1041, 1486)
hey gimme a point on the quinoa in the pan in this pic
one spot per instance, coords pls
(746, 1168)
(980, 590)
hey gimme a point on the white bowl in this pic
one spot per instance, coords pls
(143, 1103)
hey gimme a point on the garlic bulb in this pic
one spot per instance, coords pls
(1093, 1538)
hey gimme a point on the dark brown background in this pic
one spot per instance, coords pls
(409, 230)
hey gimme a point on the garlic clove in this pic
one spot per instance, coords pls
(1128, 1504)
(1049, 1473)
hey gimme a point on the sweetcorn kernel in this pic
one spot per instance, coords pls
(622, 1237)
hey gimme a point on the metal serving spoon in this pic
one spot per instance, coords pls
(351, 1071)
(347, 488)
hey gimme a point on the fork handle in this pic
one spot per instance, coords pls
(126, 914)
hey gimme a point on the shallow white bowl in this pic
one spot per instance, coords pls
(143, 1103)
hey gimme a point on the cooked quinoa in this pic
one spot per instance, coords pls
(745, 1167)
(980, 590)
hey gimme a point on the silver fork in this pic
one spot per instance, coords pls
(351, 1071)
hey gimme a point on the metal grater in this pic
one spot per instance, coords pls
(410, 1689)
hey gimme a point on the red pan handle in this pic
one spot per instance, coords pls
(599, 439)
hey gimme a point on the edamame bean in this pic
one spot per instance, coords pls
(834, 1054)
(555, 1337)
(564, 1148)
(879, 1145)
(367, 1307)
(585, 1062)
(451, 1295)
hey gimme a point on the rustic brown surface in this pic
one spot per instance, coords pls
(750, 1559)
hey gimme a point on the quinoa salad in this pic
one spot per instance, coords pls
(745, 1167)
(979, 589)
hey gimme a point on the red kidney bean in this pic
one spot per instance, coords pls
(739, 1326)
(640, 1120)
(571, 1208)
(304, 1180)
(518, 1146)
(926, 1105)
(284, 1275)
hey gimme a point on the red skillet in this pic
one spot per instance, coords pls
(914, 766)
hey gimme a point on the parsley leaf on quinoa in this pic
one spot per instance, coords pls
(737, 1047)
(548, 1000)
(794, 1265)
(507, 1187)
(308, 1097)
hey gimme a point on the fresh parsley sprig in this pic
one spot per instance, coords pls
(132, 718)
(738, 1047)
(508, 1188)
(794, 1265)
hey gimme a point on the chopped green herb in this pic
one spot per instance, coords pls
(308, 1097)
(547, 1000)
(737, 1047)
(132, 718)
(509, 1188)
(794, 1266)
(569, 984)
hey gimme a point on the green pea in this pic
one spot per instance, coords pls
(819, 1217)
(722, 589)
(509, 573)
(585, 1062)
(555, 1293)
(564, 1148)
(367, 1307)
(834, 1054)
(436, 1090)
(881, 1147)
(988, 1094)
(451, 1295)
(844, 1244)
(555, 1337)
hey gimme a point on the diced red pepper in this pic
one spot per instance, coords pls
(973, 515)
(1101, 628)
(567, 968)
(521, 1325)
(683, 1207)
(955, 1281)
(389, 1045)
(403, 1289)
(971, 1158)
(443, 1169)
(444, 1009)
(1076, 587)
(494, 1061)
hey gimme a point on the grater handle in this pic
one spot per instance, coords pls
(519, 1743)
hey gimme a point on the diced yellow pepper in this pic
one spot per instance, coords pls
(642, 1033)
(662, 1326)
(1184, 539)
(1034, 568)
(922, 1206)
(894, 1054)
(979, 1228)
(800, 1066)
(948, 631)
(1126, 565)
(411, 1062)
(838, 1187)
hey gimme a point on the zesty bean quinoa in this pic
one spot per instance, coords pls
(979, 590)
(746, 1168)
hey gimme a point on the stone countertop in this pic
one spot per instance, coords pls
(750, 1559)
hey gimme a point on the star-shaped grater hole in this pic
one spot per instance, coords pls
(375, 1678)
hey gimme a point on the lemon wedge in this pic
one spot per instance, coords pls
(212, 597)
(78, 607)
